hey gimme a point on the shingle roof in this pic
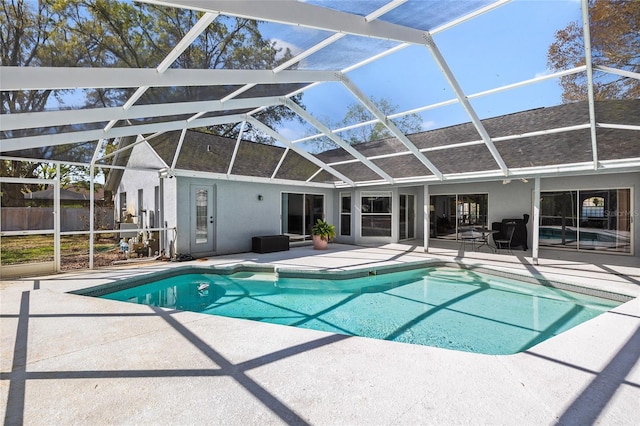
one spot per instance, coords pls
(210, 153)
(543, 150)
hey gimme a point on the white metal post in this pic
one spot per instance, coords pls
(91, 214)
(56, 220)
(426, 217)
(536, 220)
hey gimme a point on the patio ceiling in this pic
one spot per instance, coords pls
(340, 44)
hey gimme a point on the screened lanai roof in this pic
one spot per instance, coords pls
(474, 75)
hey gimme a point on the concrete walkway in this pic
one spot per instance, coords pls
(69, 359)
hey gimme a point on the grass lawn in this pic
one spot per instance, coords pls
(39, 248)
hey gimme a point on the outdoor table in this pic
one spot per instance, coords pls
(485, 232)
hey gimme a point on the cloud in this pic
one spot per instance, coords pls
(427, 125)
(284, 45)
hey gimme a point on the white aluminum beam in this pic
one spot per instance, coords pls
(469, 16)
(282, 157)
(325, 131)
(619, 127)
(45, 78)
(389, 125)
(128, 147)
(186, 41)
(88, 135)
(330, 40)
(178, 149)
(252, 179)
(182, 45)
(453, 101)
(66, 117)
(535, 249)
(590, 95)
(303, 15)
(426, 218)
(464, 101)
(522, 83)
(622, 73)
(313, 176)
(266, 129)
(236, 147)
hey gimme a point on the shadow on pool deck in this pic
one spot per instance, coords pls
(69, 359)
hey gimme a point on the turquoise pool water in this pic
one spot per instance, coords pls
(443, 307)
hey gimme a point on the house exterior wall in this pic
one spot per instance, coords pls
(239, 214)
(131, 183)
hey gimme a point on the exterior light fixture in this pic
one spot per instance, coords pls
(260, 197)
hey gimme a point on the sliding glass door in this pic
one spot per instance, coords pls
(597, 220)
(300, 212)
(451, 213)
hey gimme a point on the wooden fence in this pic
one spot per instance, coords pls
(41, 218)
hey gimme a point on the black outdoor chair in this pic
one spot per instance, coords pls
(502, 243)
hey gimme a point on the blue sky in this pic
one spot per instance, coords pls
(501, 47)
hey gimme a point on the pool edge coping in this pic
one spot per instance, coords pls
(341, 274)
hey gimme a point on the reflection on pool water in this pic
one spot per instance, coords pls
(444, 307)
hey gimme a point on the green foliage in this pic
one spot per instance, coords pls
(324, 230)
(358, 113)
(115, 34)
(110, 33)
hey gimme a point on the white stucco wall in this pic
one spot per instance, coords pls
(133, 180)
(239, 214)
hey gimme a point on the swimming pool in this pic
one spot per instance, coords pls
(446, 307)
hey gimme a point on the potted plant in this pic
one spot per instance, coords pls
(322, 232)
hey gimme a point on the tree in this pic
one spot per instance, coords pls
(358, 113)
(614, 29)
(122, 34)
(109, 33)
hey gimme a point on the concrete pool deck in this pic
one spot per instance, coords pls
(69, 359)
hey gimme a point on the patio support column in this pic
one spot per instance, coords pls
(426, 217)
(91, 213)
(57, 215)
(536, 221)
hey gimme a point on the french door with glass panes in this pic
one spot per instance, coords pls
(202, 241)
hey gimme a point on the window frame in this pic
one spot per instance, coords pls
(345, 214)
(373, 215)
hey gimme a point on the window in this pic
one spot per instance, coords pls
(597, 220)
(140, 206)
(453, 212)
(345, 214)
(123, 206)
(154, 219)
(376, 214)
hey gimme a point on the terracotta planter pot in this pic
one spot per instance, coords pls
(319, 243)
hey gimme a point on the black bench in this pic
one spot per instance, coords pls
(269, 243)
